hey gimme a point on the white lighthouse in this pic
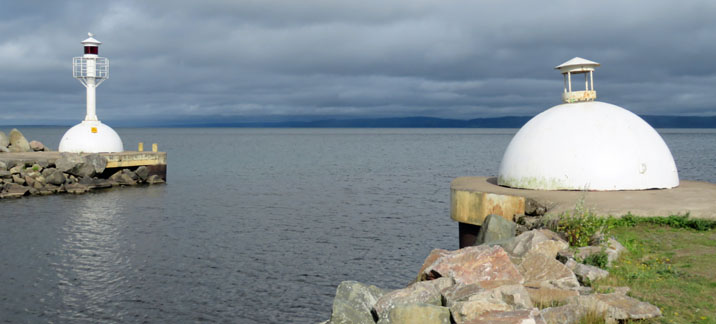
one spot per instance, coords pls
(91, 136)
(584, 144)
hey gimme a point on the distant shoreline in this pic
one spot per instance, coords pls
(656, 121)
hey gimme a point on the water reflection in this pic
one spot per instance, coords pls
(91, 267)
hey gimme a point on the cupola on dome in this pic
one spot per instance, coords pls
(585, 144)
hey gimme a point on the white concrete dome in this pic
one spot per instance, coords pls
(91, 137)
(587, 146)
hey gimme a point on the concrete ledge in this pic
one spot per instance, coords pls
(695, 197)
(472, 207)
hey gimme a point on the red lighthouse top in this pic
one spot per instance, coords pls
(91, 45)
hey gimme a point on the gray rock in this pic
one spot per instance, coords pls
(531, 222)
(500, 299)
(54, 177)
(15, 189)
(525, 316)
(353, 303)
(418, 314)
(131, 174)
(50, 189)
(123, 178)
(101, 184)
(142, 172)
(566, 314)
(30, 181)
(17, 169)
(616, 307)
(534, 207)
(495, 228)
(69, 161)
(18, 142)
(3, 166)
(586, 273)
(535, 241)
(154, 179)
(37, 146)
(4, 149)
(4, 174)
(16, 178)
(14, 163)
(98, 163)
(460, 292)
(4, 140)
(76, 188)
(422, 292)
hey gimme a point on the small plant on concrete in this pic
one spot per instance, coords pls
(579, 225)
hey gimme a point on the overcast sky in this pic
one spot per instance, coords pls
(312, 59)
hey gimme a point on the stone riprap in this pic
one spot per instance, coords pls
(514, 280)
(70, 173)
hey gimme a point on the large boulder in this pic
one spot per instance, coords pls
(81, 166)
(421, 292)
(54, 176)
(69, 161)
(487, 266)
(353, 303)
(142, 172)
(124, 177)
(547, 279)
(4, 140)
(525, 316)
(98, 163)
(18, 142)
(586, 273)
(14, 190)
(154, 179)
(76, 188)
(495, 228)
(542, 241)
(37, 146)
(468, 302)
(417, 314)
(615, 307)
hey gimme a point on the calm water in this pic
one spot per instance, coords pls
(255, 225)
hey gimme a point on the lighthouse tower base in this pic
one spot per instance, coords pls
(91, 137)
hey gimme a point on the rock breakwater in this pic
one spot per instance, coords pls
(529, 278)
(69, 173)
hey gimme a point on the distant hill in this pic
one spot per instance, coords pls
(430, 122)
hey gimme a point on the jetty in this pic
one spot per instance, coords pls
(155, 162)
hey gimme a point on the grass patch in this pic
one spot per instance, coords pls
(671, 263)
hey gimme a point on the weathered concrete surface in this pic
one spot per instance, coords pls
(472, 206)
(694, 197)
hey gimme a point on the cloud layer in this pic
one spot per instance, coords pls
(283, 59)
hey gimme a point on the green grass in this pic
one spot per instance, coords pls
(671, 263)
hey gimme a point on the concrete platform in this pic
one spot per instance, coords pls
(695, 197)
(155, 161)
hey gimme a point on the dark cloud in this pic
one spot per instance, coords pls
(453, 59)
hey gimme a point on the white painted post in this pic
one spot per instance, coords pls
(91, 90)
(591, 79)
(569, 77)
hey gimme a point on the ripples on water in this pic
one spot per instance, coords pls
(255, 225)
